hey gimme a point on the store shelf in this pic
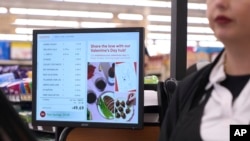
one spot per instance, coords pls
(20, 98)
(15, 62)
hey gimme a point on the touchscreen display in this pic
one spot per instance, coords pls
(85, 77)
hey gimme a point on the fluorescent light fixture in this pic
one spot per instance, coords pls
(21, 30)
(163, 36)
(146, 3)
(201, 38)
(97, 24)
(197, 6)
(210, 44)
(163, 28)
(193, 29)
(53, 23)
(165, 43)
(162, 18)
(192, 43)
(160, 36)
(26, 11)
(124, 16)
(66, 13)
(86, 14)
(198, 20)
(150, 3)
(3, 10)
(15, 37)
(81, 1)
(158, 49)
(190, 29)
(24, 30)
(101, 15)
(159, 18)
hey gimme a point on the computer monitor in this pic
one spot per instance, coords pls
(88, 77)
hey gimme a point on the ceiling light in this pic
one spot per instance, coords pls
(53, 23)
(159, 18)
(158, 49)
(164, 28)
(66, 13)
(82, 1)
(124, 16)
(24, 30)
(210, 44)
(147, 3)
(20, 30)
(192, 29)
(86, 14)
(190, 37)
(198, 6)
(198, 20)
(150, 3)
(44, 12)
(15, 37)
(192, 43)
(97, 24)
(3, 10)
(162, 18)
(201, 38)
(158, 36)
(103, 15)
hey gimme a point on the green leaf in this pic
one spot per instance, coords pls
(106, 112)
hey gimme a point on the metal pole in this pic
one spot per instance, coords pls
(178, 56)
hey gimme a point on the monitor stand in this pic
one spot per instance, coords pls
(62, 133)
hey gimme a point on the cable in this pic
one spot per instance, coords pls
(64, 133)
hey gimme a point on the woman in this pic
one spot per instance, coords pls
(207, 102)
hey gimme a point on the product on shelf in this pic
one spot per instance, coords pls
(4, 50)
(17, 90)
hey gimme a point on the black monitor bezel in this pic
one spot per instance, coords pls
(141, 32)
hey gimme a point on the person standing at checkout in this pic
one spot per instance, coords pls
(208, 101)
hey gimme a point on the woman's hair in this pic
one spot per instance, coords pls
(12, 127)
(3, 135)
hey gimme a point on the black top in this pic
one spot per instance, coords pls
(184, 113)
(235, 84)
(188, 127)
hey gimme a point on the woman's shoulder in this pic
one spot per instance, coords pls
(191, 83)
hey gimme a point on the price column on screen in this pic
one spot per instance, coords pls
(74, 73)
(80, 74)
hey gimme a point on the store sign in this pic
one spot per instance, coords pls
(21, 50)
